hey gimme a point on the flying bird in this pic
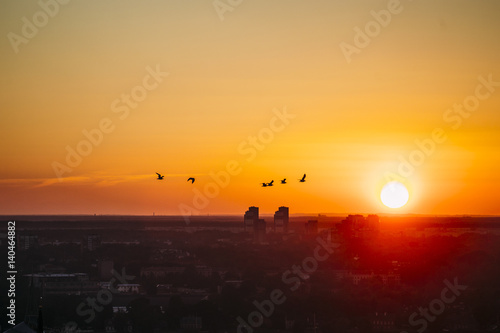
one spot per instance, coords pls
(271, 183)
(160, 177)
(303, 179)
(191, 179)
(283, 181)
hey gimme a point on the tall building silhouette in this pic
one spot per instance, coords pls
(250, 218)
(311, 227)
(358, 222)
(281, 218)
(373, 222)
(357, 226)
(355, 221)
(259, 231)
(26, 242)
(91, 242)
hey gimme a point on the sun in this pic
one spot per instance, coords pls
(394, 195)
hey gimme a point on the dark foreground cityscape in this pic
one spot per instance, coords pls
(251, 273)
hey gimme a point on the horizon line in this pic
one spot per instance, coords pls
(238, 214)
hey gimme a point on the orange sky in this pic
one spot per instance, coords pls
(352, 118)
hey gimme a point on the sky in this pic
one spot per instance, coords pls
(98, 96)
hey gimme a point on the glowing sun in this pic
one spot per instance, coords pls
(394, 195)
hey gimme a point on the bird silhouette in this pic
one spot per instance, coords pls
(191, 179)
(303, 179)
(271, 183)
(160, 177)
(283, 181)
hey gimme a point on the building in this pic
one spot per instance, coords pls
(460, 320)
(383, 322)
(204, 271)
(357, 226)
(259, 231)
(356, 221)
(356, 277)
(123, 288)
(105, 269)
(163, 271)
(129, 288)
(64, 284)
(359, 222)
(91, 242)
(191, 323)
(160, 272)
(250, 218)
(373, 222)
(26, 242)
(165, 289)
(281, 218)
(311, 227)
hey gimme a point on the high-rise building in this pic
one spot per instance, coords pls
(91, 242)
(281, 217)
(312, 227)
(358, 222)
(355, 221)
(373, 222)
(26, 242)
(358, 226)
(251, 216)
(259, 231)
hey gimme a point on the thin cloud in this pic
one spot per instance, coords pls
(98, 179)
(40, 182)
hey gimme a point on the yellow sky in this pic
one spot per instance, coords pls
(352, 116)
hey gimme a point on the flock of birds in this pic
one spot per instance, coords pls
(160, 177)
(283, 181)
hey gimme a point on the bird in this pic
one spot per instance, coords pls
(264, 184)
(160, 177)
(283, 181)
(191, 179)
(271, 183)
(303, 179)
